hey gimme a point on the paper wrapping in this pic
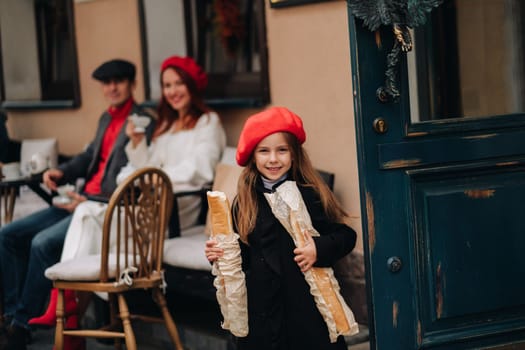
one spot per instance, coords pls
(229, 278)
(288, 207)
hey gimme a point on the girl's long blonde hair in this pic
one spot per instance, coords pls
(302, 171)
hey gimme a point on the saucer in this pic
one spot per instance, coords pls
(9, 177)
(60, 200)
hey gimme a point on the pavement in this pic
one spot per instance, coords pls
(199, 329)
(43, 340)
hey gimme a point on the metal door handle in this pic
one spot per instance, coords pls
(394, 264)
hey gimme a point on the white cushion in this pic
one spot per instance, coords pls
(198, 229)
(187, 251)
(228, 156)
(48, 148)
(85, 268)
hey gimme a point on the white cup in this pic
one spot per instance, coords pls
(38, 163)
(65, 189)
(63, 197)
(140, 122)
(11, 171)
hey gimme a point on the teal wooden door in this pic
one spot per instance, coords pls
(442, 179)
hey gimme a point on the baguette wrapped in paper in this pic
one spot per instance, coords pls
(229, 277)
(288, 207)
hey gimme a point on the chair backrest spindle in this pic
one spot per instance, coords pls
(135, 223)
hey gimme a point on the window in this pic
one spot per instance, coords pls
(39, 67)
(469, 61)
(226, 37)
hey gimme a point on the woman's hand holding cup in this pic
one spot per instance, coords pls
(134, 130)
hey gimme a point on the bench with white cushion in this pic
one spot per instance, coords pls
(187, 269)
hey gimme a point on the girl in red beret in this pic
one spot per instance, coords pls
(282, 313)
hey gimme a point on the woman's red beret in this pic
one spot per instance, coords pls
(189, 66)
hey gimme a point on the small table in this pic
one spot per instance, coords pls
(9, 189)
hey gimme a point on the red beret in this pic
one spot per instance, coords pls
(267, 122)
(189, 66)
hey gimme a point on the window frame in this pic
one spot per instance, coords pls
(216, 80)
(55, 103)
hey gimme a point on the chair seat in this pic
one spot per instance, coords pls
(86, 268)
(187, 251)
(102, 289)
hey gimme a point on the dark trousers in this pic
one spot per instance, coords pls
(28, 246)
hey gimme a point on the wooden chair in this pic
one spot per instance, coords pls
(131, 258)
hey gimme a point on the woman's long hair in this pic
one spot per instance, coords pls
(167, 115)
(302, 171)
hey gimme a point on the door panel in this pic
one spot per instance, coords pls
(442, 198)
(461, 244)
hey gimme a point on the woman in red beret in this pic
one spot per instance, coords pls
(282, 313)
(188, 141)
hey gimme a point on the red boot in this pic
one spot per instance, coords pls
(49, 318)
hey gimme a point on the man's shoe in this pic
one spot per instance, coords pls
(4, 322)
(3, 340)
(16, 338)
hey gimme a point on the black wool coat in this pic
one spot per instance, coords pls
(282, 314)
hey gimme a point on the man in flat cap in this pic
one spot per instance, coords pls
(29, 245)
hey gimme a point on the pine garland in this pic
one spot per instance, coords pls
(401, 15)
(375, 13)
(229, 21)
